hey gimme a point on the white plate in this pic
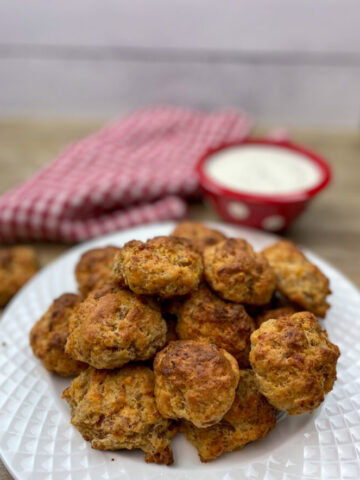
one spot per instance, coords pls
(38, 443)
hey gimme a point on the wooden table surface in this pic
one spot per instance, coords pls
(330, 227)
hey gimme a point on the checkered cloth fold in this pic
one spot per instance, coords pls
(138, 169)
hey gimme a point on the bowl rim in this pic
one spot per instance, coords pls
(211, 186)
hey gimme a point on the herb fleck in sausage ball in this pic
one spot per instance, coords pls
(195, 381)
(294, 362)
(250, 418)
(94, 268)
(49, 334)
(205, 317)
(163, 266)
(237, 273)
(200, 235)
(113, 326)
(115, 409)
(297, 278)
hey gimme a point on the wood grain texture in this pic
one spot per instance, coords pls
(290, 94)
(299, 25)
(330, 227)
(296, 62)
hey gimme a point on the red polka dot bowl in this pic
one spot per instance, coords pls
(274, 212)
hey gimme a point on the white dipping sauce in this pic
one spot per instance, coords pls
(262, 169)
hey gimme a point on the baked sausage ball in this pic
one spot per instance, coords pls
(49, 334)
(195, 381)
(164, 266)
(271, 313)
(113, 326)
(199, 235)
(94, 268)
(237, 273)
(250, 418)
(294, 362)
(205, 317)
(297, 278)
(116, 409)
(17, 266)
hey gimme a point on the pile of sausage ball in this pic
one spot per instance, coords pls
(194, 333)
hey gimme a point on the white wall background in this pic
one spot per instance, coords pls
(284, 61)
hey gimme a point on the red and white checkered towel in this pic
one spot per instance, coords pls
(134, 171)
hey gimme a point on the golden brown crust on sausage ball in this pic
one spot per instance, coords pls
(195, 381)
(164, 266)
(205, 317)
(200, 235)
(294, 362)
(297, 278)
(250, 418)
(271, 313)
(237, 273)
(49, 334)
(116, 410)
(17, 266)
(94, 268)
(113, 326)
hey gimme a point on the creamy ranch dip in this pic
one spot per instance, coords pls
(262, 169)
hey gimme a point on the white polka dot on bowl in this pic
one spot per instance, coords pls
(238, 210)
(273, 222)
